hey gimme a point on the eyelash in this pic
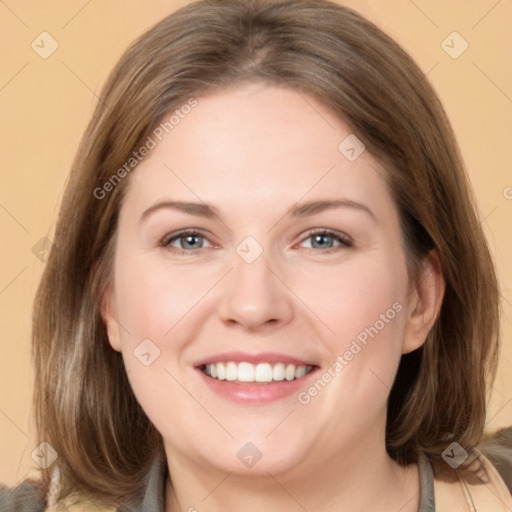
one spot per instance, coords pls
(344, 240)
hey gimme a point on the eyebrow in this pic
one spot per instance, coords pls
(303, 210)
(198, 209)
(315, 207)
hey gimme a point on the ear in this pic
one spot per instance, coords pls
(108, 315)
(425, 299)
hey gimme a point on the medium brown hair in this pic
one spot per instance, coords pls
(84, 404)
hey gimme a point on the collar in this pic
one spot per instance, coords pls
(427, 499)
(154, 495)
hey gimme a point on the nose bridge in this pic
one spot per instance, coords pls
(253, 295)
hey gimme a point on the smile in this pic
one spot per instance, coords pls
(261, 373)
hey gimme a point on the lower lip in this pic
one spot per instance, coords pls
(256, 393)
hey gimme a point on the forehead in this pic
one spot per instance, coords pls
(258, 144)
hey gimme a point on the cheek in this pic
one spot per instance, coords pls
(360, 300)
(367, 314)
(155, 305)
(160, 303)
(363, 307)
(152, 299)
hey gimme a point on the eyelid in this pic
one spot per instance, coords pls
(329, 231)
(344, 239)
(170, 237)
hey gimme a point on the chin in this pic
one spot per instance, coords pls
(257, 456)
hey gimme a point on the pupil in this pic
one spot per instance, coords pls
(321, 240)
(190, 240)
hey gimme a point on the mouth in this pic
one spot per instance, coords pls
(255, 378)
(244, 372)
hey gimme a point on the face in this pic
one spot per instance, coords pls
(260, 291)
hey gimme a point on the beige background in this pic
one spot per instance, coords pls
(46, 104)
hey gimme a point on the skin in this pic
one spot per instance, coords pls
(254, 152)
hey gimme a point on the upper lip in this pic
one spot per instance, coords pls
(261, 357)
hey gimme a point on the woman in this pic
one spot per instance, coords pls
(269, 286)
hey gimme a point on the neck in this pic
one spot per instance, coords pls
(356, 481)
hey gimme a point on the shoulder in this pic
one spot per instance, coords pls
(462, 494)
(29, 496)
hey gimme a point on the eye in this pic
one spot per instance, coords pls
(185, 241)
(328, 241)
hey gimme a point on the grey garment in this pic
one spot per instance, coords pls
(28, 496)
(154, 497)
(427, 498)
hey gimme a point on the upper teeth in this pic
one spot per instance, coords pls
(262, 372)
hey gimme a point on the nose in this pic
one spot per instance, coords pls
(255, 296)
